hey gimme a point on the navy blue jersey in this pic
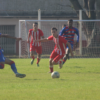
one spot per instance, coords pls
(69, 34)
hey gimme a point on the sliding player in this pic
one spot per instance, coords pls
(69, 32)
(4, 60)
(59, 50)
(35, 34)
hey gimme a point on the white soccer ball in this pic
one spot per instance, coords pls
(55, 74)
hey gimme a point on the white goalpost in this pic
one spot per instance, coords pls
(82, 25)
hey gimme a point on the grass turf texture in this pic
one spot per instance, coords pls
(79, 80)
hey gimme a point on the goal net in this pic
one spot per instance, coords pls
(89, 31)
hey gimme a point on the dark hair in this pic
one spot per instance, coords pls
(70, 20)
(35, 23)
(54, 28)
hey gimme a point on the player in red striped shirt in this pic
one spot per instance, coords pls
(59, 50)
(35, 34)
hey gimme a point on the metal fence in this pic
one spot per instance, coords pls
(89, 43)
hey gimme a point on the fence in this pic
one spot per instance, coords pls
(89, 43)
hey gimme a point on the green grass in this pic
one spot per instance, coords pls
(79, 80)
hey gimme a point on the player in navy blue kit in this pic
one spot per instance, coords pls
(4, 60)
(69, 32)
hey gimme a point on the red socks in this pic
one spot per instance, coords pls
(38, 60)
(51, 69)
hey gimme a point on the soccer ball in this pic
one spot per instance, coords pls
(55, 74)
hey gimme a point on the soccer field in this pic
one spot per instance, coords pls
(79, 80)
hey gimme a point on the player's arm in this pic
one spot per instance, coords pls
(8, 36)
(66, 42)
(70, 48)
(42, 35)
(45, 39)
(42, 40)
(62, 31)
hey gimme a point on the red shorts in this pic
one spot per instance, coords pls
(56, 57)
(38, 49)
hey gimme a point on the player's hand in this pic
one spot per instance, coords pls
(18, 39)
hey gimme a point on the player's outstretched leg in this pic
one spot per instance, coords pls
(38, 59)
(13, 67)
(51, 69)
(32, 61)
(65, 58)
(50, 65)
(32, 56)
(60, 64)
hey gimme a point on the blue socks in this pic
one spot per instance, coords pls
(13, 67)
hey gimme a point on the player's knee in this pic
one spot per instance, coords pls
(53, 62)
(39, 56)
(12, 62)
(31, 54)
(1, 66)
(50, 61)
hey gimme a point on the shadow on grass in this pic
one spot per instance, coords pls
(78, 67)
(33, 79)
(48, 79)
(64, 79)
(74, 67)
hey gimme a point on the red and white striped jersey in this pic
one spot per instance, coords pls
(60, 44)
(35, 36)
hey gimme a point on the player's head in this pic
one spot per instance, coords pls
(54, 32)
(64, 25)
(70, 23)
(35, 26)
